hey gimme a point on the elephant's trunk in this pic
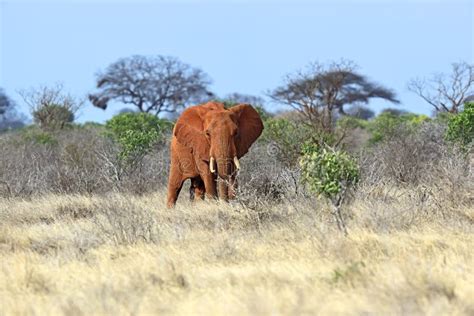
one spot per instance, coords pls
(225, 167)
(223, 189)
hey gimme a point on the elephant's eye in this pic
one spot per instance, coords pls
(208, 134)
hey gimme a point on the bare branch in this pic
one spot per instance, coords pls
(36, 98)
(446, 93)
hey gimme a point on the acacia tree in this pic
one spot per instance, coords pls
(151, 84)
(237, 97)
(256, 101)
(320, 91)
(9, 118)
(446, 92)
(361, 112)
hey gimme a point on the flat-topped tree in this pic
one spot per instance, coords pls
(157, 84)
(9, 117)
(319, 91)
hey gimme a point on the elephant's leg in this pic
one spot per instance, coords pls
(233, 185)
(223, 189)
(175, 183)
(173, 192)
(197, 189)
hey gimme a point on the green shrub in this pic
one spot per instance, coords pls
(387, 124)
(461, 126)
(264, 115)
(351, 122)
(53, 116)
(329, 173)
(287, 137)
(33, 134)
(443, 117)
(91, 125)
(136, 133)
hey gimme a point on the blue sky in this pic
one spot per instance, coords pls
(244, 46)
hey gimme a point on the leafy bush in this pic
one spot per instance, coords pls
(136, 132)
(32, 135)
(264, 114)
(386, 125)
(329, 173)
(91, 125)
(53, 116)
(351, 122)
(461, 126)
(38, 136)
(284, 138)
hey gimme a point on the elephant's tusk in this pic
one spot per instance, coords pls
(211, 165)
(237, 163)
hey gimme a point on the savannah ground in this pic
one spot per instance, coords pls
(408, 252)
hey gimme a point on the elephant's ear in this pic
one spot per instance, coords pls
(250, 127)
(189, 131)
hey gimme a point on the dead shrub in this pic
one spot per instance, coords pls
(265, 180)
(78, 160)
(417, 158)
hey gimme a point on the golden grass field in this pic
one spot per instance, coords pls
(128, 255)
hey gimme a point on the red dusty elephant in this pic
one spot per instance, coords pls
(208, 141)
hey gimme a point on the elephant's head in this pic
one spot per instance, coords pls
(219, 136)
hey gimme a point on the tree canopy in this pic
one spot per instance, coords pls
(321, 90)
(152, 84)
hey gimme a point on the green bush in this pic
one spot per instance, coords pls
(91, 125)
(287, 137)
(136, 133)
(351, 122)
(387, 124)
(53, 116)
(264, 115)
(461, 126)
(38, 136)
(329, 173)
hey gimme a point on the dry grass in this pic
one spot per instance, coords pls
(124, 255)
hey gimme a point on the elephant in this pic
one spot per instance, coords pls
(207, 142)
